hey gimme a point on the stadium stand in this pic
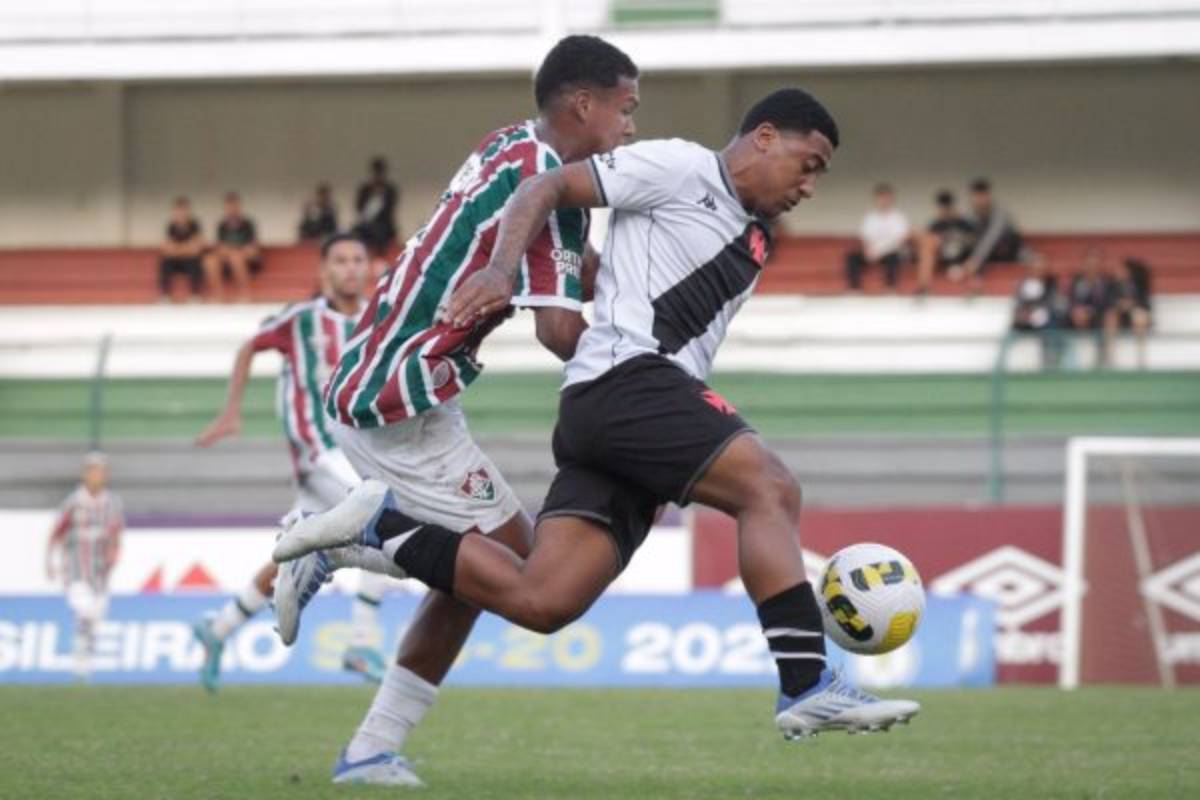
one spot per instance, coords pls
(807, 265)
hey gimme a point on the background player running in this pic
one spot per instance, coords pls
(395, 392)
(637, 426)
(310, 336)
(83, 550)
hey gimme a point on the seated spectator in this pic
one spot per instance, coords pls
(883, 239)
(946, 243)
(376, 204)
(996, 236)
(236, 252)
(1038, 308)
(183, 251)
(1091, 292)
(1129, 306)
(318, 220)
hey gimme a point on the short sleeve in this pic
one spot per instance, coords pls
(643, 175)
(552, 270)
(275, 333)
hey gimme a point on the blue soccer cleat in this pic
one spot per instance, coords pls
(835, 704)
(210, 669)
(381, 769)
(365, 661)
(296, 583)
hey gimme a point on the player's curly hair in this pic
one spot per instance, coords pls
(578, 61)
(791, 110)
(338, 238)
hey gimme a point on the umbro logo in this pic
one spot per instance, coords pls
(708, 201)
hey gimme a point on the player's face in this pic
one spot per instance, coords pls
(95, 477)
(346, 269)
(790, 165)
(610, 115)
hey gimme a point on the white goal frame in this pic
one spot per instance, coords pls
(1074, 519)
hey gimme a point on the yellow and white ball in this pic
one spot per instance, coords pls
(871, 599)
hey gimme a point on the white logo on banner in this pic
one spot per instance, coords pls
(1177, 587)
(1024, 586)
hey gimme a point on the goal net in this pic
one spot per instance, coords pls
(1131, 562)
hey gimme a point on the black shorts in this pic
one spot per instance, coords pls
(637, 437)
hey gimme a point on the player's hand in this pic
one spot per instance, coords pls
(223, 426)
(480, 295)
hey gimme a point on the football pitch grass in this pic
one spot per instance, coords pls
(279, 742)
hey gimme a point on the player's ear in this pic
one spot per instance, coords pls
(765, 136)
(582, 101)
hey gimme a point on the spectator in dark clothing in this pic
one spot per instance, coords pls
(376, 203)
(1091, 294)
(318, 220)
(946, 243)
(236, 252)
(183, 250)
(1128, 306)
(1039, 308)
(995, 233)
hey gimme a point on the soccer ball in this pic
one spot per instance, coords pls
(871, 599)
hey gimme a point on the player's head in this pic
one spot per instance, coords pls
(883, 196)
(181, 209)
(95, 472)
(1093, 261)
(345, 266)
(786, 140)
(981, 195)
(591, 88)
(233, 204)
(324, 194)
(378, 167)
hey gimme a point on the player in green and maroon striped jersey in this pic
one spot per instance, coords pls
(393, 398)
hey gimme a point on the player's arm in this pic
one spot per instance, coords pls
(113, 551)
(491, 289)
(587, 275)
(55, 541)
(229, 421)
(559, 329)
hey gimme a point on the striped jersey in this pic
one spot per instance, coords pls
(89, 530)
(401, 360)
(682, 256)
(311, 337)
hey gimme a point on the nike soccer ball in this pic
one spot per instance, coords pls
(871, 599)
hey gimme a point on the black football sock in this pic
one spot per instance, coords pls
(791, 622)
(423, 550)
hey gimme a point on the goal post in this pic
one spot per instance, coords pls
(1124, 453)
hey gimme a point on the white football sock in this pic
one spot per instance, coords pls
(241, 608)
(364, 614)
(366, 558)
(401, 702)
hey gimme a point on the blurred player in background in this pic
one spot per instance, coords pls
(394, 395)
(83, 550)
(310, 337)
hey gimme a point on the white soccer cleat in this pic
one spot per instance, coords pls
(835, 704)
(297, 582)
(381, 769)
(343, 524)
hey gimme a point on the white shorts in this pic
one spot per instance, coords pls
(88, 604)
(435, 469)
(326, 482)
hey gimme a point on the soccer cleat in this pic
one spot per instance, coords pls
(366, 661)
(351, 521)
(210, 669)
(382, 769)
(297, 582)
(835, 704)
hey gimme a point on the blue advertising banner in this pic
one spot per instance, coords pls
(698, 639)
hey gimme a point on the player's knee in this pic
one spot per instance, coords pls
(547, 614)
(778, 489)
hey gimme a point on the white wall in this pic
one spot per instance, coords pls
(1069, 148)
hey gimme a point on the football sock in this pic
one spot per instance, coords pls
(364, 614)
(423, 550)
(364, 558)
(399, 705)
(791, 622)
(245, 605)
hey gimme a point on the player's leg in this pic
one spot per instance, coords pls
(80, 601)
(239, 268)
(213, 631)
(749, 482)
(213, 263)
(362, 655)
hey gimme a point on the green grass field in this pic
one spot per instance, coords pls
(778, 405)
(266, 743)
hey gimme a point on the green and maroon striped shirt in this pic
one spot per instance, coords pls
(401, 360)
